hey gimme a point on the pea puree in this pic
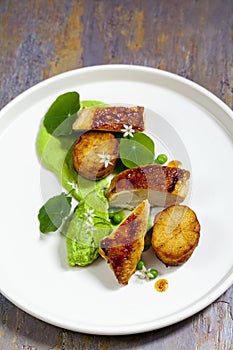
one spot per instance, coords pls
(82, 238)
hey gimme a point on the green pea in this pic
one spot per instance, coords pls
(162, 158)
(111, 214)
(140, 264)
(117, 218)
(153, 274)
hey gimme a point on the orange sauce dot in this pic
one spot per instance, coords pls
(161, 285)
(174, 164)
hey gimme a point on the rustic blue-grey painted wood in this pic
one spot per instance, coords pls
(39, 39)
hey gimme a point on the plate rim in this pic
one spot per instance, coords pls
(126, 67)
(205, 300)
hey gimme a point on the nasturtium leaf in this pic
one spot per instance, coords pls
(53, 212)
(60, 116)
(138, 150)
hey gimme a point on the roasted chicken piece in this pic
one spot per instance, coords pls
(161, 185)
(175, 235)
(95, 154)
(123, 247)
(110, 118)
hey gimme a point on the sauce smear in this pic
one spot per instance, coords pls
(161, 285)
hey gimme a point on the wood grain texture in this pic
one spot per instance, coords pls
(39, 39)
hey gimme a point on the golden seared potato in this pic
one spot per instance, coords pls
(175, 235)
(95, 154)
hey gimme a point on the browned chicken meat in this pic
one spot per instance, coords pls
(95, 154)
(161, 185)
(175, 234)
(110, 118)
(123, 247)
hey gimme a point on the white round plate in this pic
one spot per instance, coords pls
(33, 270)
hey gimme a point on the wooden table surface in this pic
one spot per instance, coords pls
(192, 38)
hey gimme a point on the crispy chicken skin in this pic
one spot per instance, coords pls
(161, 185)
(175, 235)
(123, 247)
(87, 153)
(110, 118)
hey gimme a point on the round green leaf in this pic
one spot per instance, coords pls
(52, 213)
(61, 114)
(138, 150)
